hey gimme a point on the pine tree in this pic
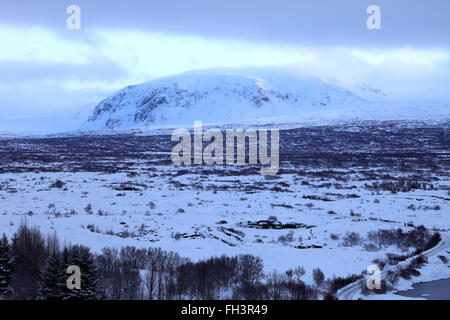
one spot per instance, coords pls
(5, 267)
(29, 255)
(52, 285)
(83, 258)
(65, 264)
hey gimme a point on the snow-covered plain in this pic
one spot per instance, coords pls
(122, 190)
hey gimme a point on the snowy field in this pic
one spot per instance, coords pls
(117, 190)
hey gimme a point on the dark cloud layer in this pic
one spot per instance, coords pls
(312, 22)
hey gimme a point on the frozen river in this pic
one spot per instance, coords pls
(435, 290)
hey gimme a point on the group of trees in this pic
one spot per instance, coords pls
(419, 238)
(399, 185)
(153, 273)
(32, 267)
(5, 267)
(35, 267)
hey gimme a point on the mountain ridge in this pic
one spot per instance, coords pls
(251, 95)
(218, 96)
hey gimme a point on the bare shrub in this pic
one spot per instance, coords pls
(287, 238)
(351, 239)
(57, 184)
(88, 209)
(334, 236)
(318, 276)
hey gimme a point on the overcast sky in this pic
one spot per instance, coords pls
(47, 69)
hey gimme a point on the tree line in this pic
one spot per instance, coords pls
(35, 267)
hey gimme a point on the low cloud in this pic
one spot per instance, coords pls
(47, 71)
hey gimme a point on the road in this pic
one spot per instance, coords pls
(353, 290)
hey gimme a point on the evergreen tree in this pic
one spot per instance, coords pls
(5, 267)
(29, 255)
(65, 264)
(83, 258)
(53, 283)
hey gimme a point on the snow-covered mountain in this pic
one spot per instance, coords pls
(243, 95)
(216, 97)
(359, 88)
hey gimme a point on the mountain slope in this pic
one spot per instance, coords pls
(216, 97)
(225, 96)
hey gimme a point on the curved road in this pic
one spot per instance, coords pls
(353, 290)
